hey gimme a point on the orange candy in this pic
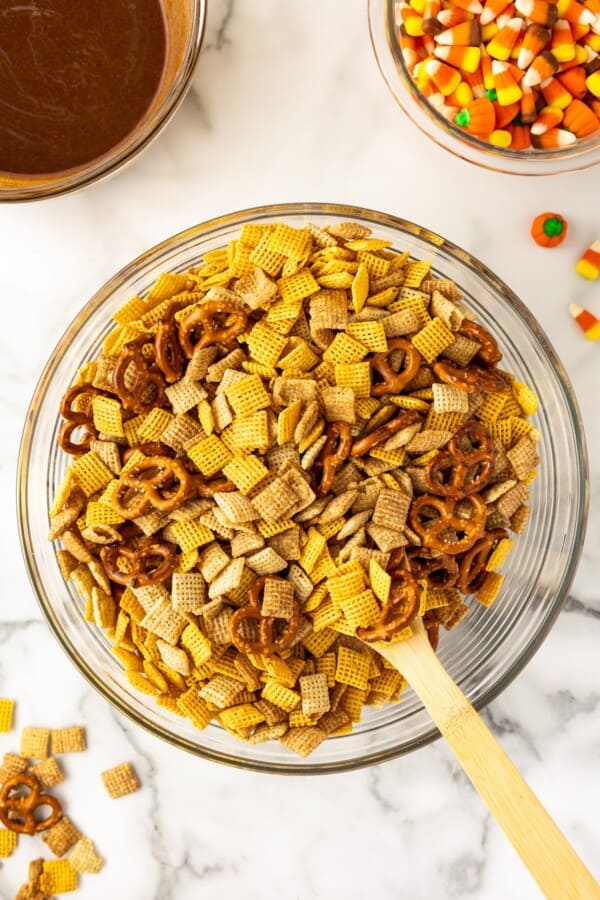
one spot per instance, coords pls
(580, 119)
(478, 117)
(549, 229)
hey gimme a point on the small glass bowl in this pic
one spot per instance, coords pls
(186, 20)
(384, 37)
(489, 647)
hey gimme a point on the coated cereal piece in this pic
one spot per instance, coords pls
(190, 535)
(34, 742)
(210, 455)
(61, 837)
(7, 708)
(221, 691)
(188, 592)
(278, 599)
(433, 339)
(512, 500)
(490, 588)
(352, 668)
(339, 404)
(183, 395)
(518, 520)
(83, 857)
(68, 740)
(47, 772)
(344, 350)
(318, 643)
(461, 350)
(391, 509)
(275, 501)
(361, 609)
(265, 345)
(246, 472)
(315, 694)
(499, 556)
(451, 315)
(448, 399)
(404, 321)
(120, 780)
(370, 334)
(8, 842)
(280, 696)
(267, 732)
(227, 580)
(380, 581)
(164, 621)
(266, 562)
(58, 877)
(356, 376)
(195, 708)
(250, 432)
(12, 765)
(212, 561)
(523, 458)
(428, 441)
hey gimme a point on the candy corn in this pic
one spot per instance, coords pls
(538, 11)
(543, 67)
(507, 89)
(535, 63)
(589, 264)
(445, 78)
(501, 45)
(549, 117)
(562, 44)
(492, 10)
(554, 139)
(586, 320)
(467, 34)
(536, 38)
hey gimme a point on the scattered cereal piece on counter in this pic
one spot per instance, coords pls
(7, 708)
(12, 765)
(587, 321)
(589, 264)
(83, 857)
(61, 837)
(68, 740)
(34, 742)
(8, 842)
(48, 772)
(58, 877)
(548, 229)
(121, 780)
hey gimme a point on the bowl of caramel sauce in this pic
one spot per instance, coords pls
(85, 86)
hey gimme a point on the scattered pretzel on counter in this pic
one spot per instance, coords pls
(280, 458)
(20, 800)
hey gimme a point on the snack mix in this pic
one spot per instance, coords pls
(281, 457)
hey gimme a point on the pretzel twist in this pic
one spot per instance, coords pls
(384, 432)
(156, 482)
(205, 318)
(488, 354)
(394, 382)
(268, 642)
(151, 562)
(431, 530)
(455, 472)
(400, 610)
(335, 451)
(472, 566)
(169, 355)
(134, 375)
(80, 418)
(20, 798)
(440, 570)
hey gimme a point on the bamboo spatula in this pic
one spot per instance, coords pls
(558, 870)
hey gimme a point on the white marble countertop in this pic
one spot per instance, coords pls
(288, 104)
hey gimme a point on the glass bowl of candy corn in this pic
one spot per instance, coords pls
(510, 86)
(484, 652)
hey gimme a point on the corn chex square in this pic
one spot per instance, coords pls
(352, 668)
(7, 708)
(58, 877)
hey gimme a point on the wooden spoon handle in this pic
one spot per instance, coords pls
(558, 870)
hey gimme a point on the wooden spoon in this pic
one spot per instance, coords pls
(558, 870)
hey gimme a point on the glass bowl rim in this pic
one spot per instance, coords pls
(179, 240)
(576, 157)
(72, 180)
